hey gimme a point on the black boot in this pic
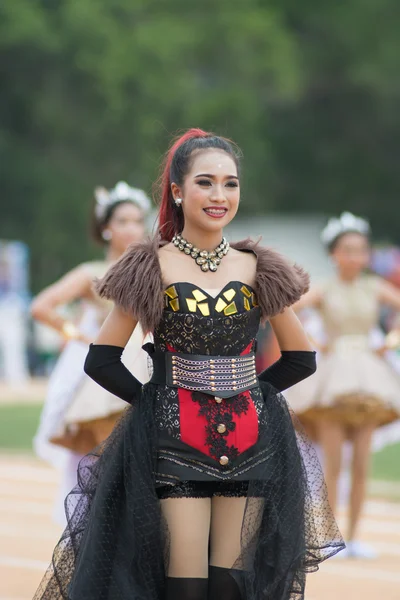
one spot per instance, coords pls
(222, 585)
(186, 588)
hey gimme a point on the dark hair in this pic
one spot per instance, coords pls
(97, 225)
(333, 244)
(175, 167)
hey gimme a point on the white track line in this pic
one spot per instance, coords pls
(369, 525)
(385, 548)
(381, 509)
(30, 508)
(346, 570)
(29, 474)
(26, 533)
(24, 563)
(12, 489)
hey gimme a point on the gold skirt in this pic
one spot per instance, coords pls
(353, 410)
(83, 437)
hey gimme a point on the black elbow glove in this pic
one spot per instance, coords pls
(292, 367)
(103, 364)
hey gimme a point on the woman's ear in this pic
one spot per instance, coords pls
(176, 191)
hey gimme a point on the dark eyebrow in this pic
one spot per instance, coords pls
(213, 176)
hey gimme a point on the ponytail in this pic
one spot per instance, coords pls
(175, 166)
(170, 216)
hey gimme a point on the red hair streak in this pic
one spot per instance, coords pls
(166, 213)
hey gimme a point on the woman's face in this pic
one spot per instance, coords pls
(351, 253)
(210, 191)
(126, 226)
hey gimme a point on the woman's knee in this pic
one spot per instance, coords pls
(360, 470)
(332, 467)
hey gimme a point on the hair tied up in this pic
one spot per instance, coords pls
(174, 168)
(169, 220)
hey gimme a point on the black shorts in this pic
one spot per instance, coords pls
(204, 489)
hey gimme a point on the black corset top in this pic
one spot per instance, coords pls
(194, 322)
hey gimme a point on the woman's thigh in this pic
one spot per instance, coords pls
(188, 521)
(226, 528)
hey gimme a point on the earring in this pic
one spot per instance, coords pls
(178, 202)
(106, 235)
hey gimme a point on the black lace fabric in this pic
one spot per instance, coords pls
(116, 543)
(115, 546)
(288, 527)
(194, 334)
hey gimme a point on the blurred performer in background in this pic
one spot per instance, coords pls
(76, 416)
(355, 390)
(13, 313)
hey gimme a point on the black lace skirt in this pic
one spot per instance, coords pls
(115, 546)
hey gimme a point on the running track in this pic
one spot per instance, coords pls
(27, 536)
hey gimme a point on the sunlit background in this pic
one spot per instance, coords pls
(91, 93)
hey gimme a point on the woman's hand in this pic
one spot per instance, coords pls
(70, 332)
(392, 339)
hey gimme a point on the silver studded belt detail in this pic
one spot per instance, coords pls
(224, 376)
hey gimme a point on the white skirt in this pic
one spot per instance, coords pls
(354, 381)
(72, 397)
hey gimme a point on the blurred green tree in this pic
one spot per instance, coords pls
(93, 89)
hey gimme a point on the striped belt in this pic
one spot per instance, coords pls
(224, 376)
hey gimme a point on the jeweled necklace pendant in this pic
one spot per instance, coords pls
(207, 261)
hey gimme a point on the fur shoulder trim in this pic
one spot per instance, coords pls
(279, 284)
(135, 283)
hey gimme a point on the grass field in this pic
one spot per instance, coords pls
(19, 423)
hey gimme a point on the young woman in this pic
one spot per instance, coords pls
(203, 491)
(75, 416)
(354, 390)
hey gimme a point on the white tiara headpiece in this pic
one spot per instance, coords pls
(346, 223)
(121, 192)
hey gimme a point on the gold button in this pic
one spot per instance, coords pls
(223, 460)
(218, 400)
(221, 428)
(213, 389)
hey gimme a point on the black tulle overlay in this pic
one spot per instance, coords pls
(116, 544)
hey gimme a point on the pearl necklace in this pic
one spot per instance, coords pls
(207, 261)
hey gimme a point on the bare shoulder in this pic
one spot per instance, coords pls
(166, 249)
(167, 253)
(246, 258)
(243, 262)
